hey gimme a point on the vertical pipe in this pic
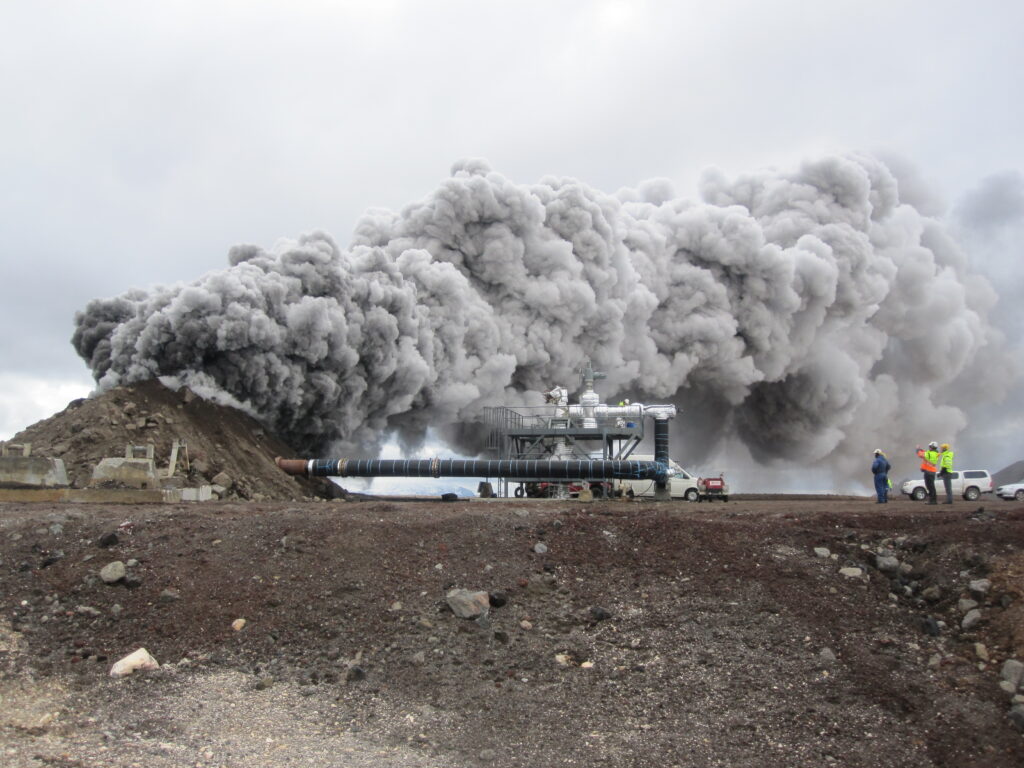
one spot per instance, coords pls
(661, 441)
(661, 489)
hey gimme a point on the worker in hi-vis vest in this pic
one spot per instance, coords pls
(946, 470)
(929, 463)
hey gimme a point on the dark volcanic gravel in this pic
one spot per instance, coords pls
(647, 635)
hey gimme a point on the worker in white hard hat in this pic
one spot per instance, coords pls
(929, 465)
(880, 469)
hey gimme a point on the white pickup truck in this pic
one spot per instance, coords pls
(969, 484)
(682, 484)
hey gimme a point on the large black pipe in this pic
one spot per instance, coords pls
(571, 469)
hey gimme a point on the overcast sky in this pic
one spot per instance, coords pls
(139, 141)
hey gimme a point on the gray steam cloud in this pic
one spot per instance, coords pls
(806, 314)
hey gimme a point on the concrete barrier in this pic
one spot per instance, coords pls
(92, 495)
(32, 472)
(138, 473)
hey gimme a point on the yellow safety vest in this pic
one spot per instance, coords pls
(946, 461)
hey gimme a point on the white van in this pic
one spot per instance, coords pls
(682, 485)
(969, 483)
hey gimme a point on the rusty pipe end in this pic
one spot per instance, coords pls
(292, 466)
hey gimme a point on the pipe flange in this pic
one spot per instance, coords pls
(435, 467)
(342, 467)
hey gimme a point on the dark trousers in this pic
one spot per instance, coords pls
(882, 488)
(929, 484)
(947, 481)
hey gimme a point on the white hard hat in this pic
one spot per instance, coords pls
(877, 451)
(933, 444)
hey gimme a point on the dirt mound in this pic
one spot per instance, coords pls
(640, 634)
(218, 440)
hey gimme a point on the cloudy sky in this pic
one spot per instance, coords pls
(141, 141)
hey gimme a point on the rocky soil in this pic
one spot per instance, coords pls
(221, 443)
(796, 632)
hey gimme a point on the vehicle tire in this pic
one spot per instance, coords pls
(520, 492)
(972, 493)
(918, 494)
(725, 498)
(691, 495)
(1019, 495)
(630, 493)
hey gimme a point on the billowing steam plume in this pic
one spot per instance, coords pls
(808, 315)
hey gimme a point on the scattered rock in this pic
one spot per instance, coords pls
(826, 657)
(264, 682)
(981, 651)
(930, 626)
(1017, 716)
(851, 573)
(140, 659)
(498, 599)
(113, 572)
(355, 674)
(964, 605)
(887, 564)
(107, 540)
(822, 552)
(979, 588)
(222, 479)
(169, 596)
(932, 594)
(238, 625)
(971, 620)
(132, 580)
(466, 604)
(1013, 672)
(540, 548)
(598, 613)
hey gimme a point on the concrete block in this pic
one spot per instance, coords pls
(202, 493)
(32, 472)
(137, 473)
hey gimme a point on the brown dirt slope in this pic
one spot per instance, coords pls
(219, 439)
(646, 634)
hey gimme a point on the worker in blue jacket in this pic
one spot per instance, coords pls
(880, 469)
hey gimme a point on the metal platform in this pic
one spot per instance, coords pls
(534, 433)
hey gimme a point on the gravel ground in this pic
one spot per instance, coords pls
(648, 634)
